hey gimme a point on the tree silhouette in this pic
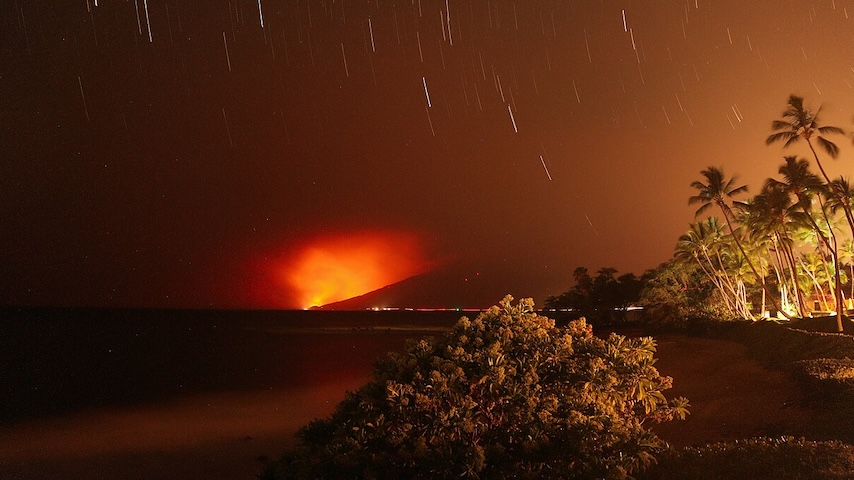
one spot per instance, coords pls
(604, 297)
(801, 123)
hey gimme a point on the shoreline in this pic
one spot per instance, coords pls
(238, 431)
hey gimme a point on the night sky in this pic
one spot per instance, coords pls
(178, 153)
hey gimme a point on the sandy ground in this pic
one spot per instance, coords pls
(231, 435)
(732, 396)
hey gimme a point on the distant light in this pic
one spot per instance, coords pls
(337, 267)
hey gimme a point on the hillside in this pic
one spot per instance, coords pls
(451, 287)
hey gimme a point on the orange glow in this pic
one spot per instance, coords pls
(331, 269)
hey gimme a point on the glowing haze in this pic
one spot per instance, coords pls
(183, 161)
(334, 268)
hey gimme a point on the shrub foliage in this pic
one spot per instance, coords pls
(507, 395)
(758, 459)
(676, 296)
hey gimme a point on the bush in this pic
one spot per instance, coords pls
(837, 369)
(826, 377)
(758, 459)
(508, 395)
(781, 345)
(675, 296)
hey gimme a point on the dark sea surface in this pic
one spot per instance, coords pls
(60, 361)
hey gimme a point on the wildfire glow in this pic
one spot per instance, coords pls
(336, 268)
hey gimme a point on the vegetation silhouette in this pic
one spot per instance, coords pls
(600, 299)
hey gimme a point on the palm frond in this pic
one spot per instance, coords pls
(772, 184)
(780, 136)
(698, 185)
(831, 129)
(714, 175)
(792, 159)
(842, 185)
(796, 103)
(828, 147)
(791, 140)
(701, 198)
(782, 125)
(702, 209)
(744, 207)
(736, 191)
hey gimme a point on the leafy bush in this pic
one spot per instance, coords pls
(780, 345)
(675, 296)
(839, 369)
(757, 459)
(508, 395)
(826, 377)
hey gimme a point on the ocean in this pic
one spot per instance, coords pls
(56, 361)
(175, 394)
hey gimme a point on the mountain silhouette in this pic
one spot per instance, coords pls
(456, 286)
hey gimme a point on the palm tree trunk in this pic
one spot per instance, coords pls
(835, 256)
(819, 292)
(724, 280)
(831, 245)
(834, 251)
(848, 215)
(716, 281)
(793, 273)
(782, 253)
(739, 305)
(749, 263)
(818, 162)
(840, 306)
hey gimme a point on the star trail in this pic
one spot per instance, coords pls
(155, 152)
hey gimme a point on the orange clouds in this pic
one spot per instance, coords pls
(333, 268)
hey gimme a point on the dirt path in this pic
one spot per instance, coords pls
(732, 395)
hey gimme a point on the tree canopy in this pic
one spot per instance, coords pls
(602, 298)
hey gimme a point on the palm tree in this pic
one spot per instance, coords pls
(699, 244)
(842, 198)
(847, 251)
(717, 191)
(772, 214)
(805, 186)
(756, 238)
(801, 123)
(798, 180)
(814, 267)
